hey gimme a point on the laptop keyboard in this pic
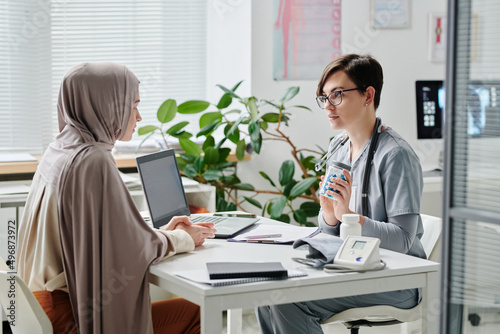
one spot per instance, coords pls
(210, 219)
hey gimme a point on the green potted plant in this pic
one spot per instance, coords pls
(247, 127)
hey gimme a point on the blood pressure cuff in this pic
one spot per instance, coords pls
(322, 248)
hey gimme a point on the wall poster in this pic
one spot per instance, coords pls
(306, 37)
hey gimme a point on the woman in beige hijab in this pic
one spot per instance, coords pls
(84, 249)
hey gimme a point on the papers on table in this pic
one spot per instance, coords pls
(278, 234)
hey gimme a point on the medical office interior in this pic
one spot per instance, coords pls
(235, 40)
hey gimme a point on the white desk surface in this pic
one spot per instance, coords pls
(402, 272)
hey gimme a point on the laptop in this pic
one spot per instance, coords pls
(162, 185)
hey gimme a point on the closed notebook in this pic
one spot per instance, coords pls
(201, 276)
(220, 270)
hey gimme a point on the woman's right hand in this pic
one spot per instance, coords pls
(327, 205)
(199, 231)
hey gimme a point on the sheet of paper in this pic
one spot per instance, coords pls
(289, 233)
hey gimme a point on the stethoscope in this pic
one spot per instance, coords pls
(366, 176)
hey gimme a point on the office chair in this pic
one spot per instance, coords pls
(29, 315)
(384, 315)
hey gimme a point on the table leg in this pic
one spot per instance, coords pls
(234, 321)
(431, 310)
(211, 317)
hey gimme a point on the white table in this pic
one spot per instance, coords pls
(402, 272)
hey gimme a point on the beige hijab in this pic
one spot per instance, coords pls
(107, 247)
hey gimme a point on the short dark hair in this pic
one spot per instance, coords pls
(363, 70)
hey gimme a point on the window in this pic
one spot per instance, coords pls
(162, 42)
(471, 294)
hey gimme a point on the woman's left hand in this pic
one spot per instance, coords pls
(343, 196)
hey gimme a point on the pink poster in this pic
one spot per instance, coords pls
(306, 37)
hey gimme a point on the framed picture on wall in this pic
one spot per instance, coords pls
(392, 14)
(437, 37)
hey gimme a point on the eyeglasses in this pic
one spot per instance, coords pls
(335, 98)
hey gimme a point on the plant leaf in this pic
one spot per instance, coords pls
(223, 154)
(147, 129)
(302, 186)
(271, 117)
(211, 156)
(182, 134)
(311, 209)
(176, 128)
(210, 117)
(209, 142)
(167, 111)
(199, 164)
(283, 218)
(300, 216)
(286, 172)
(190, 171)
(231, 207)
(236, 86)
(253, 202)
(290, 93)
(233, 111)
(212, 175)
(222, 141)
(208, 129)
(254, 129)
(235, 126)
(264, 175)
(240, 150)
(234, 136)
(225, 101)
(190, 147)
(278, 206)
(303, 107)
(192, 107)
(244, 186)
(252, 108)
(309, 162)
(230, 92)
(257, 144)
(271, 103)
(288, 188)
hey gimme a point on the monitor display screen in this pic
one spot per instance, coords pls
(430, 108)
(483, 110)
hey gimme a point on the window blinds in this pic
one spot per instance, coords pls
(162, 42)
(474, 243)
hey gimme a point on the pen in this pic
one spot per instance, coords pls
(264, 236)
(240, 215)
(271, 241)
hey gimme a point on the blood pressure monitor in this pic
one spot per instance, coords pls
(358, 254)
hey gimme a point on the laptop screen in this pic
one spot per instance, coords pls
(162, 186)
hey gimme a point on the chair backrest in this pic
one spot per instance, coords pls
(432, 236)
(24, 313)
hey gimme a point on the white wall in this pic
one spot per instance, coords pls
(403, 54)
